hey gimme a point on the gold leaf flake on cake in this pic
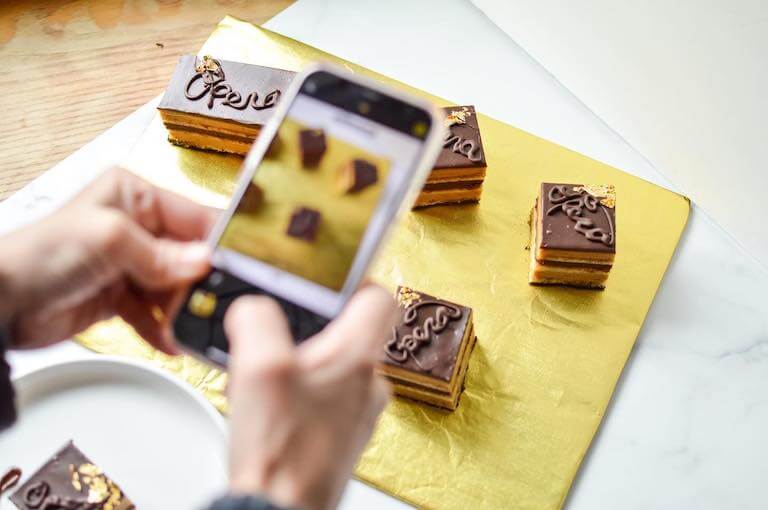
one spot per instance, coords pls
(457, 117)
(115, 497)
(101, 490)
(98, 489)
(406, 296)
(75, 478)
(208, 64)
(606, 192)
(88, 469)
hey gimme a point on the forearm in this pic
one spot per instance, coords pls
(10, 303)
(7, 403)
(19, 251)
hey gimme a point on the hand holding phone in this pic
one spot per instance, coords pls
(318, 191)
(324, 389)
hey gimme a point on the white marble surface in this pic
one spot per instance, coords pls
(685, 426)
(683, 82)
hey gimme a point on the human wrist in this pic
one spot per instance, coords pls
(21, 268)
(254, 485)
(7, 299)
(286, 490)
(245, 502)
(14, 282)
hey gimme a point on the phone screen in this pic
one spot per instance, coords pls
(338, 157)
(318, 191)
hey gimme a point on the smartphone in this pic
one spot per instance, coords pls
(327, 176)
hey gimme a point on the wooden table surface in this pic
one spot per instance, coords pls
(73, 68)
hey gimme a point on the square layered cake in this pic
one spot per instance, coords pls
(573, 235)
(459, 171)
(427, 353)
(220, 105)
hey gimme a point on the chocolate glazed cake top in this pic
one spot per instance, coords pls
(70, 481)
(462, 145)
(577, 217)
(225, 90)
(428, 336)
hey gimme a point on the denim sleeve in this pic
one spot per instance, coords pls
(7, 395)
(243, 503)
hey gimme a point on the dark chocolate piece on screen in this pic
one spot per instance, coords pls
(357, 175)
(312, 146)
(275, 146)
(304, 224)
(251, 199)
(69, 480)
(428, 336)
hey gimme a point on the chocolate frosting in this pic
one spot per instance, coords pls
(575, 220)
(428, 335)
(9, 480)
(69, 481)
(227, 90)
(462, 144)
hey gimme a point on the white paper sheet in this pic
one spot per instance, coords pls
(683, 81)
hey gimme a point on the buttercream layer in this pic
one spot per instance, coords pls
(452, 196)
(208, 132)
(457, 174)
(566, 275)
(195, 140)
(431, 397)
(198, 121)
(437, 193)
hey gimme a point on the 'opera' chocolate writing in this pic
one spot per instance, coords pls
(59, 503)
(9, 480)
(573, 205)
(36, 494)
(211, 82)
(400, 349)
(463, 146)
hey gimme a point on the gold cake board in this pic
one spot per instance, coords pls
(547, 358)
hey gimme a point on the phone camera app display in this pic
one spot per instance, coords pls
(308, 206)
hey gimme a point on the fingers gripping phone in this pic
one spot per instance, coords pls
(329, 173)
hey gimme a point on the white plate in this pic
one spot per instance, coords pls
(160, 440)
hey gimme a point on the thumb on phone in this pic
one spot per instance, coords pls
(258, 334)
